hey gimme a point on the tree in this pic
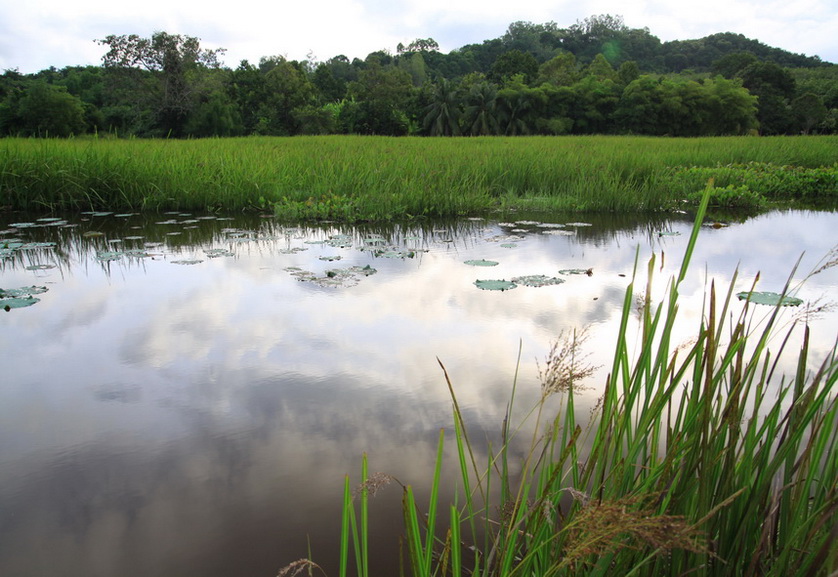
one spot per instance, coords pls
(442, 115)
(519, 106)
(45, 110)
(561, 70)
(382, 94)
(809, 110)
(513, 63)
(774, 86)
(173, 61)
(480, 114)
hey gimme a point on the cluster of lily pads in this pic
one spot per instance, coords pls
(375, 244)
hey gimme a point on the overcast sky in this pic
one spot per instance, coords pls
(36, 34)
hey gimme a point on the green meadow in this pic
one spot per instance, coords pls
(354, 178)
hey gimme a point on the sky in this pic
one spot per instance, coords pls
(37, 34)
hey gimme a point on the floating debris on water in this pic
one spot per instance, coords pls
(537, 280)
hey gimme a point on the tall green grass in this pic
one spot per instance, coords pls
(699, 460)
(379, 178)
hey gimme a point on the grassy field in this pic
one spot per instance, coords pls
(699, 460)
(375, 178)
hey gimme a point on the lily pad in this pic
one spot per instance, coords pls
(40, 266)
(217, 252)
(482, 262)
(495, 285)
(22, 292)
(669, 233)
(537, 280)
(188, 261)
(769, 298)
(587, 271)
(18, 303)
(108, 255)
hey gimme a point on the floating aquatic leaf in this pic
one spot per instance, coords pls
(560, 232)
(669, 233)
(364, 270)
(331, 258)
(769, 298)
(508, 245)
(108, 255)
(217, 252)
(92, 233)
(315, 242)
(134, 237)
(188, 261)
(495, 285)
(22, 224)
(22, 292)
(292, 250)
(579, 224)
(550, 225)
(17, 303)
(482, 262)
(394, 253)
(40, 266)
(50, 219)
(537, 280)
(36, 245)
(527, 222)
(587, 271)
(136, 253)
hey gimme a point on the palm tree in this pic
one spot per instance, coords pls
(481, 110)
(442, 116)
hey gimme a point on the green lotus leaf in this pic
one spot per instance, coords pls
(495, 285)
(769, 298)
(40, 266)
(22, 292)
(587, 271)
(108, 255)
(188, 261)
(18, 303)
(537, 280)
(482, 262)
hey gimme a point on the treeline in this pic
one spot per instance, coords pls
(595, 77)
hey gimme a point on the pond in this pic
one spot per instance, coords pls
(184, 394)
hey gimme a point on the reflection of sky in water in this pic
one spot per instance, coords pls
(185, 420)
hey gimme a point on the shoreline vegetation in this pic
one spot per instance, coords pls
(376, 178)
(697, 460)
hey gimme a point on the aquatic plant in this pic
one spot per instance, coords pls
(698, 459)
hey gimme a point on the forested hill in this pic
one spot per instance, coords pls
(610, 36)
(597, 76)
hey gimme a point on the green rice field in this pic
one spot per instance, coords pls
(353, 178)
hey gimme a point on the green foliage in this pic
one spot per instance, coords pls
(43, 110)
(755, 182)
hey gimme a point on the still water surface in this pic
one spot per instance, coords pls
(191, 408)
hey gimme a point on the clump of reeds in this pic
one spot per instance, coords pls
(700, 460)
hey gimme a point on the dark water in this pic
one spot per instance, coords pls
(198, 419)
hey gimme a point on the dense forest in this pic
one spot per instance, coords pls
(597, 76)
